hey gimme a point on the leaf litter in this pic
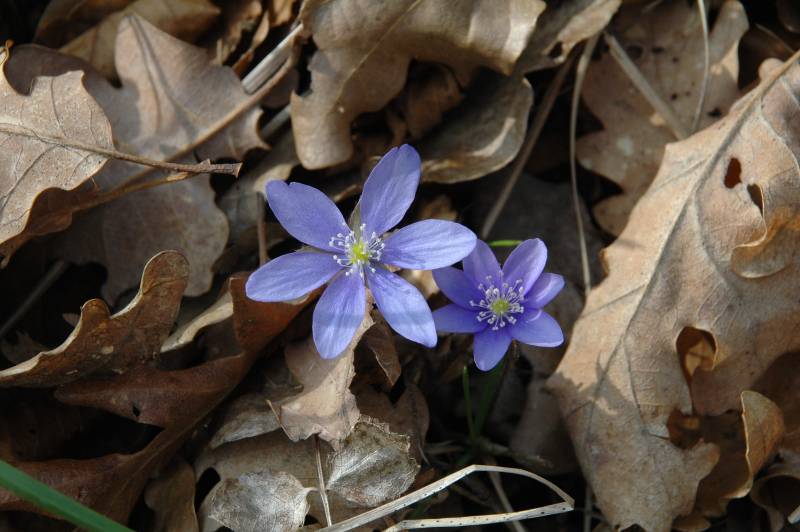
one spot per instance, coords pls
(185, 405)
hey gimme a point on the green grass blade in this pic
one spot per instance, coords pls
(43, 496)
(504, 243)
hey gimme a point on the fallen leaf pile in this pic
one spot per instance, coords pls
(136, 139)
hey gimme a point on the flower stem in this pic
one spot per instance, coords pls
(28, 488)
(473, 433)
(504, 243)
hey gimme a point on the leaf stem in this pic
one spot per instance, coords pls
(43, 496)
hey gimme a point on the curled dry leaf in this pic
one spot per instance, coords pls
(372, 466)
(379, 341)
(409, 416)
(101, 341)
(777, 491)
(664, 44)
(186, 19)
(484, 137)
(246, 416)
(36, 175)
(171, 497)
(711, 247)
(561, 27)
(325, 406)
(260, 500)
(364, 51)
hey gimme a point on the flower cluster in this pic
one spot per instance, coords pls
(497, 305)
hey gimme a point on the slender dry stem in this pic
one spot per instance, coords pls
(701, 8)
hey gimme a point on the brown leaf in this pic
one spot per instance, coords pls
(63, 20)
(778, 492)
(246, 416)
(186, 19)
(409, 415)
(259, 500)
(33, 172)
(711, 246)
(561, 27)
(171, 497)
(100, 341)
(359, 67)
(325, 406)
(482, 138)
(379, 340)
(667, 42)
(372, 466)
(239, 16)
(221, 310)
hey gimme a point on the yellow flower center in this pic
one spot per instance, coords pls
(500, 306)
(359, 253)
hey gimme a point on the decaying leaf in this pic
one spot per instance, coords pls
(483, 138)
(379, 341)
(171, 497)
(409, 416)
(711, 247)
(33, 171)
(372, 466)
(364, 51)
(259, 500)
(325, 406)
(101, 341)
(221, 310)
(777, 492)
(63, 20)
(665, 44)
(246, 416)
(186, 19)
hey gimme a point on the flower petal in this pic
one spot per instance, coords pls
(489, 347)
(390, 189)
(455, 284)
(454, 319)
(525, 263)
(428, 244)
(539, 328)
(546, 287)
(290, 276)
(482, 263)
(338, 314)
(305, 212)
(403, 306)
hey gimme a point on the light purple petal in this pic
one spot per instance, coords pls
(403, 306)
(454, 319)
(489, 347)
(338, 313)
(306, 213)
(390, 189)
(290, 276)
(482, 263)
(428, 244)
(457, 286)
(525, 263)
(544, 290)
(538, 328)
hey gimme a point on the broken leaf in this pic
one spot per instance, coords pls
(711, 246)
(664, 44)
(171, 497)
(359, 67)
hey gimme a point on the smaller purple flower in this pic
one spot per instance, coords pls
(356, 256)
(500, 305)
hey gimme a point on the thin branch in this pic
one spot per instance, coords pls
(269, 65)
(56, 270)
(580, 74)
(494, 477)
(423, 493)
(587, 509)
(643, 86)
(321, 477)
(201, 168)
(539, 120)
(701, 7)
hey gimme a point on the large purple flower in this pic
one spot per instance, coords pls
(352, 255)
(500, 305)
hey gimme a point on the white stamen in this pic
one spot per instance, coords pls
(499, 304)
(357, 251)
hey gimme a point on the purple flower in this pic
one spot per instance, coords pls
(500, 305)
(351, 256)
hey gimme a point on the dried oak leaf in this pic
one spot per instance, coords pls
(35, 174)
(171, 497)
(185, 19)
(258, 500)
(176, 400)
(63, 20)
(172, 102)
(325, 406)
(712, 246)
(667, 40)
(101, 341)
(364, 51)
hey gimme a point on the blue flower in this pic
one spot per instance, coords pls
(350, 256)
(500, 305)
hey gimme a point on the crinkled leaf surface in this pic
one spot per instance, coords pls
(101, 341)
(631, 145)
(364, 50)
(713, 246)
